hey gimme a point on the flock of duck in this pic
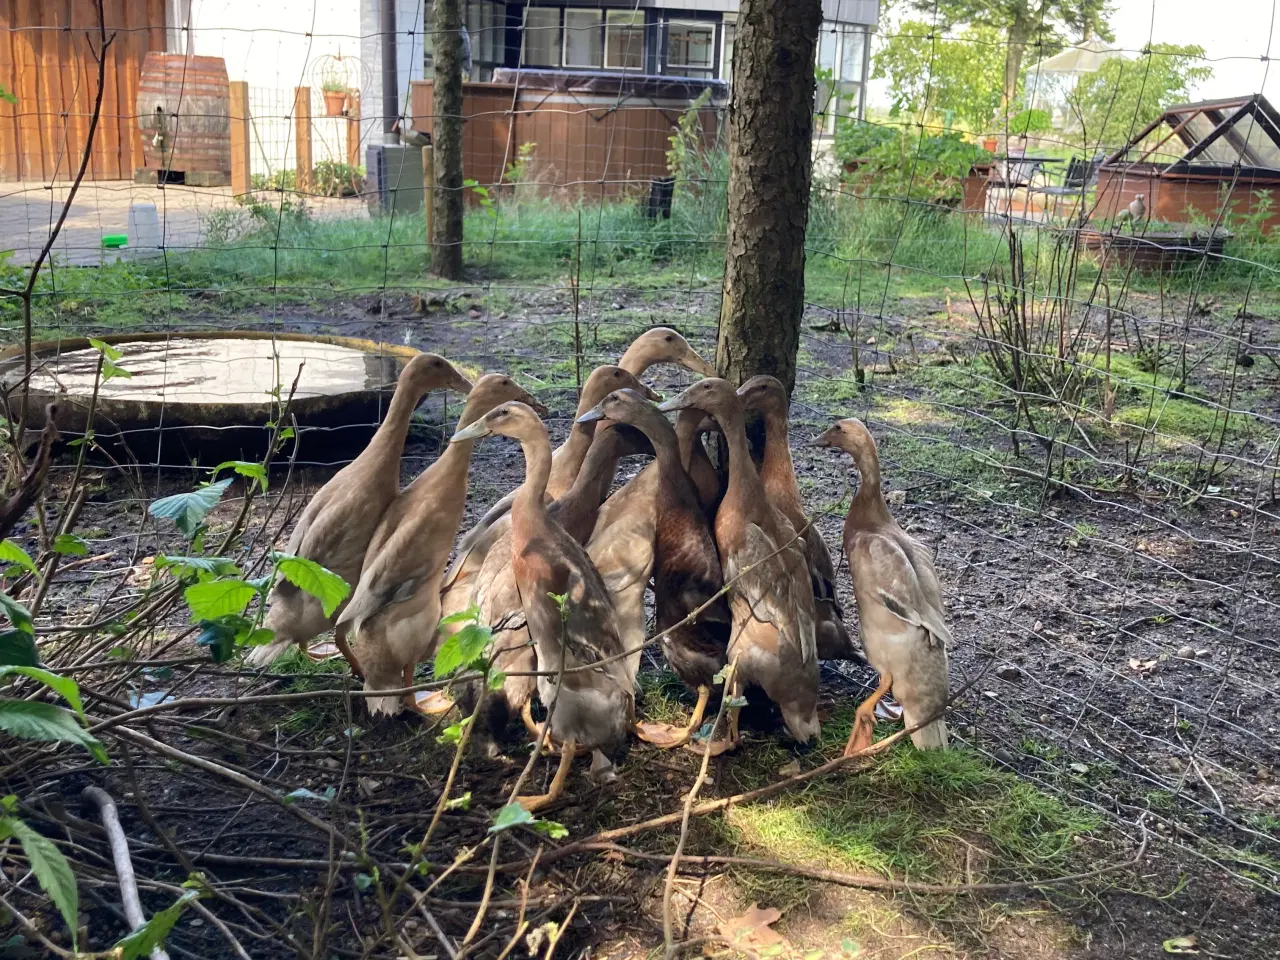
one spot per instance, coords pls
(559, 568)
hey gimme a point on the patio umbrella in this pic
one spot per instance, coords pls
(1083, 58)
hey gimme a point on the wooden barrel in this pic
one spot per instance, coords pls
(184, 110)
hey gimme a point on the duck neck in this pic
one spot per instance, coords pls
(868, 504)
(528, 509)
(634, 361)
(579, 507)
(777, 471)
(687, 435)
(390, 436)
(566, 462)
(666, 446)
(742, 471)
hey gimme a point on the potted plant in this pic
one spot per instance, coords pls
(335, 98)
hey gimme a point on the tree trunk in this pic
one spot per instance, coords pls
(1020, 31)
(446, 138)
(770, 169)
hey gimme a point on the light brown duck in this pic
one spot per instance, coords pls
(339, 521)
(904, 630)
(395, 608)
(568, 610)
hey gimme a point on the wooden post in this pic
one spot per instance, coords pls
(353, 129)
(428, 189)
(241, 137)
(302, 133)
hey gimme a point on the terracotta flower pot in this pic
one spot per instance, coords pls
(335, 102)
(990, 144)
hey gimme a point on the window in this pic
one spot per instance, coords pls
(582, 38)
(690, 48)
(624, 40)
(726, 46)
(486, 29)
(853, 50)
(541, 47)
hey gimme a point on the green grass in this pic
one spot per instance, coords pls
(912, 814)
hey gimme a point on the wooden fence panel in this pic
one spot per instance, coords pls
(47, 63)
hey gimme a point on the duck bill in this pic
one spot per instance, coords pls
(699, 366)
(821, 440)
(461, 384)
(675, 403)
(472, 431)
(650, 394)
(536, 407)
(592, 415)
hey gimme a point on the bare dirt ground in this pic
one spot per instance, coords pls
(1121, 635)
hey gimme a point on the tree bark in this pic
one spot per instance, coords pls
(770, 173)
(446, 137)
(1020, 31)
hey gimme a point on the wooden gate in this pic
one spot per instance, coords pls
(47, 64)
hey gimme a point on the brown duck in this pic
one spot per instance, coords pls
(684, 561)
(771, 642)
(767, 396)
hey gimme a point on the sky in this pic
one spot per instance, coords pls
(1235, 34)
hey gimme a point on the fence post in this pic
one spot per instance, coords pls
(302, 137)
(240, 138)
(353, 129)
(428, 189)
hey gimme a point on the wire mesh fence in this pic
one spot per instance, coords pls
(1075, 396)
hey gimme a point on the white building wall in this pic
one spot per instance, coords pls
(409, 61)
(276, 47)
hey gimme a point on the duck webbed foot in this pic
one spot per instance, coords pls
(535, 803)
(718, 747)
(864, 722)
(668, 736)
(535, 731)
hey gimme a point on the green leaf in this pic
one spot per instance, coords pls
(459, 803)
(556, 831)
(69, 545)
(220, 636)
(108, 352)
(1187, 944)
(721, 675)
(471, 614)
(218, 598)
(257, 637)
(10, 552)
(325, 585)
(452, 734)
(363, 882)
(246, 468)
(736, 702)
(51, 870)
(184, 566)
(19, 648)
(461, 650)
(187, 510)
(110, 371)
(64, 687)
(17, 614)
(496, 680)
(33, 720)
(152, 934)
(512, 815)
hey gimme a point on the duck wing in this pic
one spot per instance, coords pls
(766, 578)
(892, 579)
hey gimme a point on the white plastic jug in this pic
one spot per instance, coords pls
(144, 230)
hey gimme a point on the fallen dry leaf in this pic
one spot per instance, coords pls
(752, 929)
(1143, 666)
(789, 769)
